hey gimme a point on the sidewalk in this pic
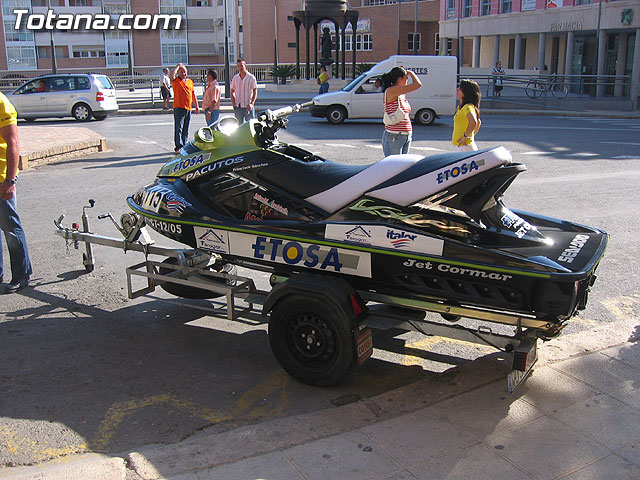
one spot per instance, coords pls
(573, 419)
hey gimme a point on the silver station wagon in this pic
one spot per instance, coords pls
(78, 95)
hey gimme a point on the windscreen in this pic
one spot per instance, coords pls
(352, 84)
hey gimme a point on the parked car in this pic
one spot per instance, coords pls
(78, 95)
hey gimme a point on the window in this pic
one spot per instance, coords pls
(21, 57)
(81, 83)
(173, 7)
(485, 7)
(505, 6)
(451, 9)
(36, 86)
(436, 44)
(45, 52)
(173, 34)
(466, 10)
(117, 58)
(584, 2)
(199, 3)
(80, 3)
(12, 35)
(116, 34)
(61, 84)
(173, 53)
(364, 42)
(87, 52)
(8, 6)
(115, 8)
(410, 46)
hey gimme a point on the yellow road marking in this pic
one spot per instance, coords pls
(624, 306)
(252, 403)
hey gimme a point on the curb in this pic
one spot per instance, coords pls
(88, 466)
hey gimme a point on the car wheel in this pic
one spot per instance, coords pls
(99, 117)
(336, 114)
(426, 116)
(81, 112)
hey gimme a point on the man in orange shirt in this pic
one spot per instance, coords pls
(184, 97)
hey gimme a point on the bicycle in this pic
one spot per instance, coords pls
(538, 86)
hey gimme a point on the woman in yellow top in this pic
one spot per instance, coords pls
(323, 80)
(466, 121)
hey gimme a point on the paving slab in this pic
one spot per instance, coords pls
(631, 453)
(547, 449)
(46, 144)
(605, 468)
(478, 462)
(608, 421)
(600, 371)
(88, 466)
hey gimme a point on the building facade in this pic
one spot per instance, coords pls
(567, 37)
(258, 30)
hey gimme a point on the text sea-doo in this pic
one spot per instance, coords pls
(410, 228)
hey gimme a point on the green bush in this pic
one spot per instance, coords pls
(282, 72)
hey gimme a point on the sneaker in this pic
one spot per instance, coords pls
(13, 287)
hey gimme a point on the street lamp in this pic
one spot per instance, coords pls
(458, 51)
(275, 38)
(415, 30)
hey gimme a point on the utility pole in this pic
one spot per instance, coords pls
(459, 44)
(415, 30)
(227, 70)
(54, 66)
(275, 38)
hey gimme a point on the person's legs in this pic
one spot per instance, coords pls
(16, 241)
(178, 125)
(392, 143)
(324, 88)
(406, 145)
(239, 112)
(185, 129)
(215, 115)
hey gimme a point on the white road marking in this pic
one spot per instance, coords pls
(582, 154)
(147, 142)
(345, 145)
(623, 143)
(428, 148)
(575, 178)
(627, 157)
(379, 147)
(534, 153)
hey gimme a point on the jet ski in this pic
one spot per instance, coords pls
(412, 228)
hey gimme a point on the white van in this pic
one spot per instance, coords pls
(361, 99)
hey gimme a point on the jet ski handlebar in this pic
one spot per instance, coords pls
(270, 116)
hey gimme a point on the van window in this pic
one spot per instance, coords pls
(104, 82)
(370, 85)
(352, 84)
(82, 83)
(61, 84)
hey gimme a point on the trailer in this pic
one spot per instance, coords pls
(320, 327)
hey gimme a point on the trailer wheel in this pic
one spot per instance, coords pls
(184, 291)
(311, 340)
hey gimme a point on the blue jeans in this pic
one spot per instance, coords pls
(395, 143)
(181, 119)
(215, 115)
(324, 88)
(243, 115)
(16, 240)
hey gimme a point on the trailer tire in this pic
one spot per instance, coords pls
(185, 291)
(312, 340)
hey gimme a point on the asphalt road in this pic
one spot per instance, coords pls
(82, 368)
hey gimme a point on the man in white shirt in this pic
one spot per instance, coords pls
(165, 86)
(244, 92)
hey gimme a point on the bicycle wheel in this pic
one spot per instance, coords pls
(559, 90)
(534, 89)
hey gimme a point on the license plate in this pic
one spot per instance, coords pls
(364, 345)
(517, 376)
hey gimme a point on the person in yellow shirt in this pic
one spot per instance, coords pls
(323, 80)
(9, 219)
(466, 121)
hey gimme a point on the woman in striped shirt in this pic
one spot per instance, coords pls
(397, 137)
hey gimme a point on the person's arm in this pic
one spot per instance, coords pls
(394, 92)
(254, 97)
(195, 100)
(233, 91)
(10, 135)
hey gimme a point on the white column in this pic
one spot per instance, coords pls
(602, 60)
(476, 52)
(568, 60)
(496, 49)
(635, 72)
(621, 60)
(517, 56)
(542, 41)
